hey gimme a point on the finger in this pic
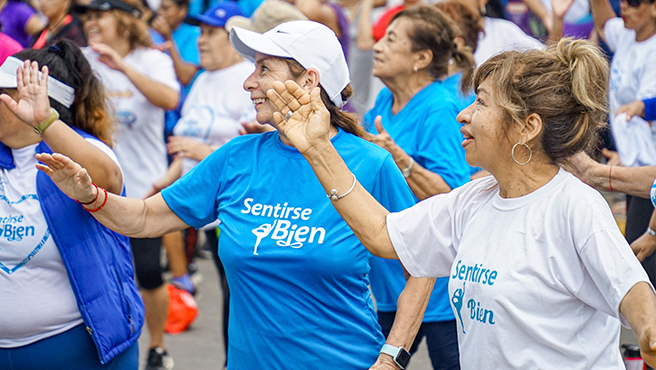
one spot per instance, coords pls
(275, 98)
(301, 96)
(606, 153)
(315, 100)
(279, 119)
(34, 73)
(44, 77)
(290, 100)
(45, 169)
(9, 102)
(19, 78)
(378, 122)
(26, 73)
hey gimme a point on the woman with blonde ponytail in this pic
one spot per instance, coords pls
(539, 274)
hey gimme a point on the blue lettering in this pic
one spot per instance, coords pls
(455, 274)
(480, 314)
(461, 274)
(493, 276)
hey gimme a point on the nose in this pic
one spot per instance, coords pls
(465, 116)
(377, 46)
(251, 83)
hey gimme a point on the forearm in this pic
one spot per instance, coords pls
(601, 12)
(103, 171)
(365, 38)
(156, 92)
(183, 70)
(365, 216)
(556, 30)
(411, 306)
(173, 173)
(425, 184)
(137, 218)
(539, 10)
(639, 308)
(636, 181)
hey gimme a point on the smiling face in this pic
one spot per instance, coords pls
(268, 69)
(393, 55)
(101, 27)
(641, 19)
(484, 130)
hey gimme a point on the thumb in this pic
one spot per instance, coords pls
(379, 124)
(606, 153)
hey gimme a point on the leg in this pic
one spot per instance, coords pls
(638, 213)
(442, 342)
(213, 242)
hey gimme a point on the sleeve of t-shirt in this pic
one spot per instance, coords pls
(423, 236)
(440, 146)
(612, 270)
(390, 188)
(647, 76)
(613, 32)
(193, 198)
(160, 67)
(23, 14)
(189, 50)
(650, 109)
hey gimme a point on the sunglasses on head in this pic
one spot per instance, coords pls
(635, 3)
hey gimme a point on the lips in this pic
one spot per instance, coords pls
(259, 101)
(468, 138)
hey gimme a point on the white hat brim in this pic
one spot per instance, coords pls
(248, 43)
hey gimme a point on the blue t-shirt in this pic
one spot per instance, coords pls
(198, 7)
(462, 100)
(298, 276)
(426, 129)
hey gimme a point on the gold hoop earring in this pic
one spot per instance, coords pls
(530, 153)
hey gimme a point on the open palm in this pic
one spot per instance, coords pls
(70, 177)
(33, 106)
(309, 125)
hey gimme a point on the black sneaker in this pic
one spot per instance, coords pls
(159, 359)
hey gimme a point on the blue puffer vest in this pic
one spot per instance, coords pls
(98, 262)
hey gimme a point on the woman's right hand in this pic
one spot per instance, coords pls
(70, 177)
(108, 56)
(309, 125)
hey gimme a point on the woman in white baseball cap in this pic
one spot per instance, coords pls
(298, 275)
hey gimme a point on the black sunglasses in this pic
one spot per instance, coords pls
(636, 3)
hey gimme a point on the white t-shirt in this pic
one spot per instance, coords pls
(500, 35)
(140, 145)
(215, 108)
(535, 282)
(579, 10)
(38, 301)
(632, 71)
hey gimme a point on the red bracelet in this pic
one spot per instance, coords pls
(101, 206)
(610, 185)
(94, 199)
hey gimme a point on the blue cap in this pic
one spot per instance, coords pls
(218, 15)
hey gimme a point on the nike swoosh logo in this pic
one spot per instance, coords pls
(281, 31)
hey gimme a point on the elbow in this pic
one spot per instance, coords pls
(170, 101)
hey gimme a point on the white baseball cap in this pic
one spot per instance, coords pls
(311, 44)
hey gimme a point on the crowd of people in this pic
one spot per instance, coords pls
(454, 198)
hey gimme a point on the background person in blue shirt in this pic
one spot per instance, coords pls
(298, 275)
(415, 118)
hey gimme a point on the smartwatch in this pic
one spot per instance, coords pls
(399, 354)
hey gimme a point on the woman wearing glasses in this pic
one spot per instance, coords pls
(632, 77)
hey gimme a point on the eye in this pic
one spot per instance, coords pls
(479, 101)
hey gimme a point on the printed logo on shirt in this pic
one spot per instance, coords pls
(13, 233)
(285, 228)
(126, 118)
(474, 274)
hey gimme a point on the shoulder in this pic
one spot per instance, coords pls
(148, 55)
(615, 27)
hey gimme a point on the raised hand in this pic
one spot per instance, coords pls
(560, 7)
(309, 125)
(69, 176)
(33, 106)
(108, 56)
(187, 147)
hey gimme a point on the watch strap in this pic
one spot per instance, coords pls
(54, 115)
(399, 354)
(651, 231)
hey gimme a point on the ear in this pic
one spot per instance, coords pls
(459, 41)
(423, 58)
(309, 80)
(532, 127)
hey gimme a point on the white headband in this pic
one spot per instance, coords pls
(57, 90)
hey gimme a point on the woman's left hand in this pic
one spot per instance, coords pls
(108, 56)
(644, 246)
(384, 140)
(187, 147)
(648, 346)
(308, 126)
(384, 362)
(33, 106)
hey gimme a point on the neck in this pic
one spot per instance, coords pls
(516, 181)
(404, 87)
(56, 22)
(283, 138)
(122, 47)
(230, 60)
(646, 32)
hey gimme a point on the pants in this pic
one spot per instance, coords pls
(441, 339)
(147, 255)
(638, 213)
(71, 350)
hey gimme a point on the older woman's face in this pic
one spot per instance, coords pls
(213, 44)
(393, 53)
(101, 27)
(640, 17)
(267, 70)
(483, 130)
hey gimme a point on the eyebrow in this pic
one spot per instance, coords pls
(481, 90)
(263, 58)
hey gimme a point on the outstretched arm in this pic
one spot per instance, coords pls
(308, 129)
(639, 309)
(131, 217)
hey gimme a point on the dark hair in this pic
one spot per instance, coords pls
(433, 30)
(566, 85)
(338, 118)
(467, 17)
(67, 64)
